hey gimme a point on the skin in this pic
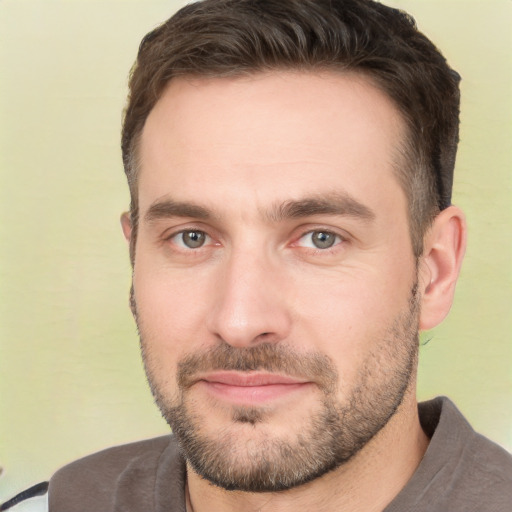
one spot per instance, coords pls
(239, 149)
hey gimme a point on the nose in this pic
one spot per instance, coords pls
(250, 304)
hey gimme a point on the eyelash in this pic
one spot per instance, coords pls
(339, 239)
(182, 244)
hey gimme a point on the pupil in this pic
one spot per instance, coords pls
(193, 239)
(323, 240)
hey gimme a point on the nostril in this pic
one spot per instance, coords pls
(264, 336)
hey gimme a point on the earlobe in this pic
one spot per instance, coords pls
(126, 225)
(444, 248)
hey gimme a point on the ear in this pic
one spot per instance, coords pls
(443, 252)
(126, 224)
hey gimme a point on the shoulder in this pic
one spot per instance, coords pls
(111, 461)
(461, 470)
(453, 434)
(102, 480)
(481, 470)
(488, 467)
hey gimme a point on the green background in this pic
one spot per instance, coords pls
(71, 381)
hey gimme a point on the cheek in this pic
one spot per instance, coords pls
(348, 319)
(170, 309)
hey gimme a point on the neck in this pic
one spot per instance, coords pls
(369, 481)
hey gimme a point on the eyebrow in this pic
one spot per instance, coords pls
(169, 208)
(323, 204)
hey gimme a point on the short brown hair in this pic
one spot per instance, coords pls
(221, 38)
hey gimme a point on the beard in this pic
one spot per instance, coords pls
(246, 455)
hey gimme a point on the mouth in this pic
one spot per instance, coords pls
(250, 388)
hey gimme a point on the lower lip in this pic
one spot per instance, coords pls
(247, 395)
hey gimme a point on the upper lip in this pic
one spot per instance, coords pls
(231, 378)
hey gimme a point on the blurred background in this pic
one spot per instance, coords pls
(71, 381)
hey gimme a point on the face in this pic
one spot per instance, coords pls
(274, 278)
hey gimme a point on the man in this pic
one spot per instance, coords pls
(290, 165)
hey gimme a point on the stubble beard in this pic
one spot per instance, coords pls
(335, 432)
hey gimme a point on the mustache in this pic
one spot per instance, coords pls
(269, 357)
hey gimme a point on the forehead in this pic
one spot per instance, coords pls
(276, 135)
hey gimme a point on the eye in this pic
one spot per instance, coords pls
(319, 239)
(190, 239)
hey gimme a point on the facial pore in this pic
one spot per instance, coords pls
(332, 435)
